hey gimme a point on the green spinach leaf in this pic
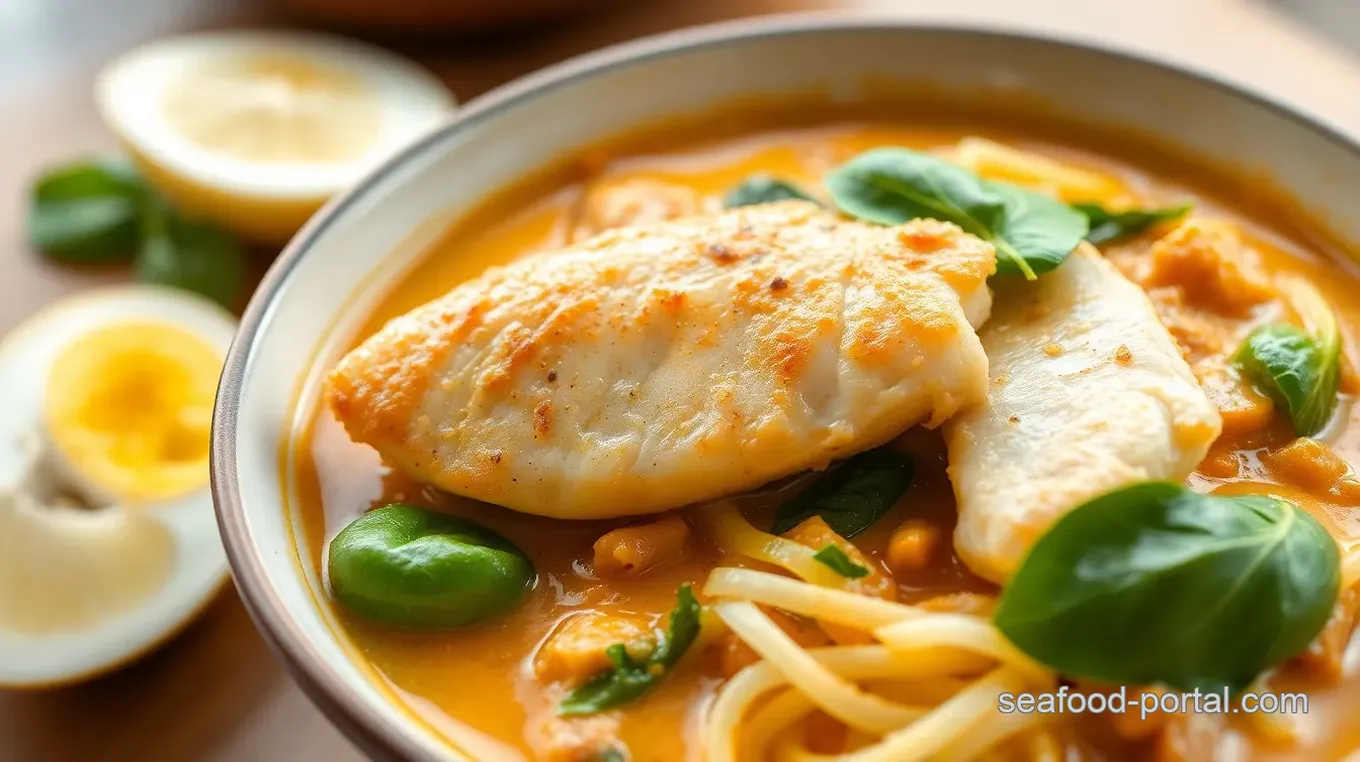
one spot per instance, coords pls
(1298, 373)
(1157, 584)
(628, 679)
(1040, 229)
(1299, 370)
(86, 212)
(853, 496)
(1107, 226)
(189, 254)
(1032, 233)
(835, 559)
(763, 189)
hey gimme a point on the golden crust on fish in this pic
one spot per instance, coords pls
(655, 366)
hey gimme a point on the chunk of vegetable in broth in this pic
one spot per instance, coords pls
(628, 679)
(418, 569)
(1158, 584)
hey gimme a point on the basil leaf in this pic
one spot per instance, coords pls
(86, 212)
(1300, 371)
(853, 497)
(1040, 229)
(1155, 583)
(763, 189)
(628, 679)
(85, 231)
(1296, 372)
(836, 559)
(893, 185)
(1108, 226)
(105, 176)
(1032, 233)
(190, 255)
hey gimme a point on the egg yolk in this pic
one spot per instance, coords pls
(129, 408)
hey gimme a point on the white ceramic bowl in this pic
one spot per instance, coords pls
(330, 276)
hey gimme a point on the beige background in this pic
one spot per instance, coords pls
(216, 692)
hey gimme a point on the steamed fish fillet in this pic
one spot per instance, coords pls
(1088, 393)
(659, 365)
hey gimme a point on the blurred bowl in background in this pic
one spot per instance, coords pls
(433, 15)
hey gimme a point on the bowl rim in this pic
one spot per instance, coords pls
(319, 679)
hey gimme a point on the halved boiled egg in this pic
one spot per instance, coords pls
(255, 130)
(108, 541)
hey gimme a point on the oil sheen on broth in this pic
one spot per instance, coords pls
(478, 685)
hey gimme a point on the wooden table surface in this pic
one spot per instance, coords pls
(216, 692)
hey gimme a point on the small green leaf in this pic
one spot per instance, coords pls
(612, 754)
(86, 212)
(1033, 233)
(681, 631)
(893, 185)
(1041, 231)
(623, 683)
(1299, 371)
(1158, 584)
(627, 680)
(835, 559)
(85, 178)
(86, 231)
(853, 496)
(188, 254)
(763, 189)
(1107, 226)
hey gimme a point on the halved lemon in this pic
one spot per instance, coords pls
(255, 130)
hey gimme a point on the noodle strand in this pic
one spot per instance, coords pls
(831, 693)
(821, 603)
(927, 690)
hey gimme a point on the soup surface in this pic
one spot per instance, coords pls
(492, 688)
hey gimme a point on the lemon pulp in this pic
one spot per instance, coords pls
(129, 409)
(276, 108)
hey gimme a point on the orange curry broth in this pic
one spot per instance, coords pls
(482, 676)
